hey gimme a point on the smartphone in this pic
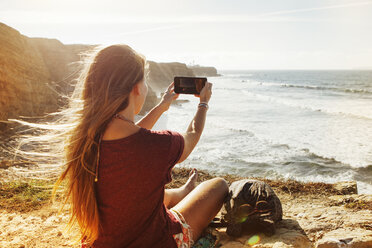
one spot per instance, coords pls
(189, 85)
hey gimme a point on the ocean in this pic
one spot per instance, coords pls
(303, 125)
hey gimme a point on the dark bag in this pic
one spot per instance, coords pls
(251, 206)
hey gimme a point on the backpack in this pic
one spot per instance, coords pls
(251, 206)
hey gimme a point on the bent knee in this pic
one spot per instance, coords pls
(221, 183)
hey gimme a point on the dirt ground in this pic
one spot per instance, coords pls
(310, 210)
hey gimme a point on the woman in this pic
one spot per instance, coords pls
(117, 169)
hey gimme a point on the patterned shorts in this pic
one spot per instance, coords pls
(184, 239)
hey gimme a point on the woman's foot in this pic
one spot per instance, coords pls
(191, 182)
(174, 196)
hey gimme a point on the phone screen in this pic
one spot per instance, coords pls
(189, 85)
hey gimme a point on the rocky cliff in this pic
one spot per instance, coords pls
(162, 74)
(61, 61)
(36, 72)
(25, 87)
(204, 71)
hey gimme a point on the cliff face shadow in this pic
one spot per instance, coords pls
(291, 224)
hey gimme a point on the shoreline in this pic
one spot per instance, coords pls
(314, 215)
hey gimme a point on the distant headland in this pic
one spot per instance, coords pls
(36, 73)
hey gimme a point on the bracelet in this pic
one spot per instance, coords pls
(203, 104)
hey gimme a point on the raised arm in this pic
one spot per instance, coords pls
(149, 120)
(195, 129)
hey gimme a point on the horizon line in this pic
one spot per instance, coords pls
(291, 69)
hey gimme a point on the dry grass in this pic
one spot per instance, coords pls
(359, 205)
(25, 196)
(292, 187)
(31, 195)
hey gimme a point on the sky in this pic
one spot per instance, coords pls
(226, 34)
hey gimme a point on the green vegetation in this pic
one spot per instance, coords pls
(359, 204)
(26, 196)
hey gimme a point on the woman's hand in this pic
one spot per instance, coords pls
(206, 93)
(168, 97)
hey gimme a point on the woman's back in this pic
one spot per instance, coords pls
(130, 189)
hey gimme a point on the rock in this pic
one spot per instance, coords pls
(5, 164)
(151, 100)
(353, 238)
(62, 61)
(352, 201)
(24, 88)
(288, 234)
(162, 74)
(36, 74)
(232, 244)
(346, 188)
(204, 71)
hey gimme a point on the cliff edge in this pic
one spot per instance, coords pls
(36, 74)
(314, 215)
(25, 81)
(204, 71)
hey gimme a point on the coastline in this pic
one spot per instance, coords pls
(283, 125)
(42, 71)
(314, 215)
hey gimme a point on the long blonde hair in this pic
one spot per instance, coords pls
(102, 90)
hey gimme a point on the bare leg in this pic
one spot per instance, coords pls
(174, 196)
(202, 204)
